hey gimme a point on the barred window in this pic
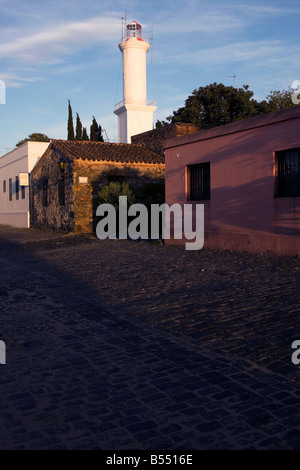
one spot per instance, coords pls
(287, 173)
(199, 182)
(10, 188)
(17, 188)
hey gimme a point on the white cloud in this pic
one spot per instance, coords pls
(204, 22)
(267, 10)
(15, 80)
(210, 18)
(264, 52)
(53, 41)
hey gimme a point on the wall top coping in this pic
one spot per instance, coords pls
(235, 127)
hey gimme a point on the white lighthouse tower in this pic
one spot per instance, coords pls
(134, 114)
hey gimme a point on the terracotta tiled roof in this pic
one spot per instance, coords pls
(105, 151)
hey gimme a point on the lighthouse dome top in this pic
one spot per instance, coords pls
(134, 30)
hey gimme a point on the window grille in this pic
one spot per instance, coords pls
(287, 173)
(199, 182)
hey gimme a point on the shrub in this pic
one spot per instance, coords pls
(110, 194)
(149, 193)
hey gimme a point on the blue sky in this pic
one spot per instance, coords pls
(52, 51)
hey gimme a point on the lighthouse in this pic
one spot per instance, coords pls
(135, 115)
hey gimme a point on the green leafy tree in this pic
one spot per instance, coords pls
(277, 100)
(35, 137)
(78, 128)
(159, 124)
(217, 104)
(71, 135)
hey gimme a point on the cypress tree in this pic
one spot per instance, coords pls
(70, 124)
(94, 130)
(78, 128)
(100, 136)
(84, 134)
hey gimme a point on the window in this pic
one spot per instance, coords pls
(17, 188)
(23, 192)
(4, 186)
(198, 182)
(45, 193)
(10, 189)
(61, 191)
(287, 173)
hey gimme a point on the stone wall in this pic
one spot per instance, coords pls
(82, 179)
(47, 178)
(91, 176)
(153, 140)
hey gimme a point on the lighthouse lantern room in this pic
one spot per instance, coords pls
(134, 114)
(134, 30)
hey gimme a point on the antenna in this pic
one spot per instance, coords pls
(106, 135)
(234, 76)
(124, 24)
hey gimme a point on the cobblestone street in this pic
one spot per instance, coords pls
(136, 345)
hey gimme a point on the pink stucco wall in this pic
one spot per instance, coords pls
(242, 213)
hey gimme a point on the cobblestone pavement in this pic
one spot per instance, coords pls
(120, 345)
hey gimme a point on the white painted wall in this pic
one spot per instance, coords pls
(20, 160)
(139, 119)
(134, 71)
